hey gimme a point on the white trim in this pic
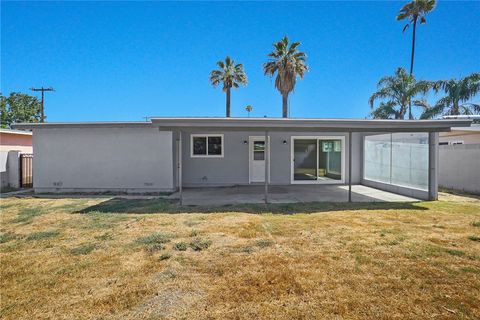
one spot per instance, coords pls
(250, 141)
(292, 169)
(206, 135)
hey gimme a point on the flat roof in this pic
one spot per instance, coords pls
(312, 124)
(273, 124)
(108, 124)
(19, 132)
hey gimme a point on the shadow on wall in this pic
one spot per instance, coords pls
(142, 206)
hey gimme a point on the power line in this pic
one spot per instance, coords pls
(42, 89)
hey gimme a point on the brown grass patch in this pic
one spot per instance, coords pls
(61, 260)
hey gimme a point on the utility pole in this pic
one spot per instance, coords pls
(42, 89)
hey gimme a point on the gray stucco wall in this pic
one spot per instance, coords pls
(460, 167)
(128, 159)
(233, 168)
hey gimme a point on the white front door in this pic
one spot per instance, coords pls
(257, 159)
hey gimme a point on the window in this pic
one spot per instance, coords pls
(207, 145)
(259, 150)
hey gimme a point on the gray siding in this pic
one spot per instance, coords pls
(129, 159)
(233, 168)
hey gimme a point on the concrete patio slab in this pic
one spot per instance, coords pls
(286, 194)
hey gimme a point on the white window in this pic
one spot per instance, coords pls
(206, 145)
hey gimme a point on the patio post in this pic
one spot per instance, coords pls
(433, 166)
(350, 166)
(267, 165)
(180, 166)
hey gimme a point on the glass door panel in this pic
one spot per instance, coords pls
(304, 159)
(317, 160)
(330, 160)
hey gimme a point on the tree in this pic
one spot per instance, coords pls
(19, 107)
(231, 75)
(249, 109)
(287, 63)
(455, 101)
(397, 93)
(417, 9)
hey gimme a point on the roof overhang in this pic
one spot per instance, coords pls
(292, 124)
(16, 132)
(269, 124)
(111, 124)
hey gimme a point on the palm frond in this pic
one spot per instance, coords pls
(287, 63)
(386, 110)
(432, 111)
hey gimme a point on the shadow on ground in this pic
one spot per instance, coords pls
(121, 205)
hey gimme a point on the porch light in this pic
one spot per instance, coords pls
(284, 141)
(245, 142)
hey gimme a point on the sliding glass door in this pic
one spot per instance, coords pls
(317, 159)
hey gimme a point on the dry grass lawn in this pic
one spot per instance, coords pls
(98, 258)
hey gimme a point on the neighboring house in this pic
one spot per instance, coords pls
(12, 144)
(461, 135)
(168, 154)
(459, 153)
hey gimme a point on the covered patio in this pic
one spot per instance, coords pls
(287, 194)
(304, 160)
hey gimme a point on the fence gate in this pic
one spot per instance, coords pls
(26, 170)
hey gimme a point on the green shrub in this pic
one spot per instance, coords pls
(248, 250)
(7, 236)
(263, 243)
(199, 244)
(455, 252)
(165, 256)
(155, 241)
(194, 233)
(474, 238)
(476, 223)
(26, 215)
(180, 246)
(83, 249)
(42, 235)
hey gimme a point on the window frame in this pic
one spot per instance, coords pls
(206, 136)
(343, 151)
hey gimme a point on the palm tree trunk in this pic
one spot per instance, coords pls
(413, 45)
(410, 116)
(403, 110)
(228, 103)
(285, 105)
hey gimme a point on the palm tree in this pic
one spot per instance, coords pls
(455, 102)
(249, 109)
(417, 9)
(231, 75)
(397, 93)
(288, 63)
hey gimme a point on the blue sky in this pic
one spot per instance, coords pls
(128, 60)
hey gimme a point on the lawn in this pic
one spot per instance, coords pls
(92, 258)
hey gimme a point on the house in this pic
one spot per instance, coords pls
(166, 154)
(459, 159)
(13, 143)
(461, 135)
